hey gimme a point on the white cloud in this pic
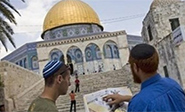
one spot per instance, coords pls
(30, 23)
(32, 16)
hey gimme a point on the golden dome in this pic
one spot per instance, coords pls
(68, 12)
(157, 3)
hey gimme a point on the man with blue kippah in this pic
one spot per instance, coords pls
(157, 94)
(57, 80)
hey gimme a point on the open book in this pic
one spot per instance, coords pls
(93, 102)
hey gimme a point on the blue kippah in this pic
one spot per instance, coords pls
(51, 67)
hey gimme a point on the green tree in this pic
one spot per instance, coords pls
(6, 31)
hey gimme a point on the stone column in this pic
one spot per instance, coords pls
(84, 63)
(65, 59)
(123, 49)
(103, 60)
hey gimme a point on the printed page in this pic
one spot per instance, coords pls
(93, 102)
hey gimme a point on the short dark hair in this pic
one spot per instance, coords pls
(49, 81)
(145, 57)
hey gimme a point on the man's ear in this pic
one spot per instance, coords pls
(59, 79)
(135, 67)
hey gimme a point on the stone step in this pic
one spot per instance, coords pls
(88, 84)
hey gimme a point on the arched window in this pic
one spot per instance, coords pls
(70, 56)
(88, 54)
(108, 51)
(35, 64)
(54, 56)
(25, 63)
(116, 51)
(98, 53)
(75, 54)
(78, 55)
(111, 50)
(21, 63)
(92, 52)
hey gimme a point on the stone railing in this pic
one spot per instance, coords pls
(16, 81)
(24, 99)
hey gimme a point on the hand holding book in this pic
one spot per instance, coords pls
(108, 100)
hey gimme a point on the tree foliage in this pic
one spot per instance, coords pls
(6, 30)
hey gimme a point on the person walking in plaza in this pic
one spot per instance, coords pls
(73, 101)
(157, 94)
(57, 80)
(77, 85)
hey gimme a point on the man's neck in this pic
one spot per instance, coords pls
(50, 93)
(146, 76)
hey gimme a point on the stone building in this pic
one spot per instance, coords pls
(163, 27)
(72, 33)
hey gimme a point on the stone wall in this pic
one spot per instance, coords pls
(148, 21)
(16, 81)
(180, 54)
(1, 92)
(1, 96)
(158, 18)
(171, 57)
(168, 59)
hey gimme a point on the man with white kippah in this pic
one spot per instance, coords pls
(57, 80)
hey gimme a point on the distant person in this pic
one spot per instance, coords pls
(157, 94)
(99, 69)
(76, 75)
(114, 67)
(73, 101)
(57, 79)
(87, 71)
(77, 85)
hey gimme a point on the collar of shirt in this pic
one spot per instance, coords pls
(151, 80)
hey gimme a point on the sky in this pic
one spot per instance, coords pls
(114, 15)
